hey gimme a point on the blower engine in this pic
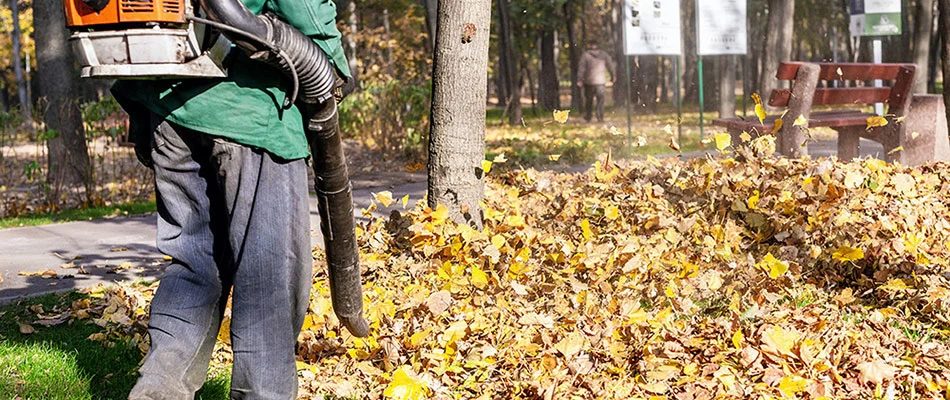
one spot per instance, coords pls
(167, 39)
(143, 39)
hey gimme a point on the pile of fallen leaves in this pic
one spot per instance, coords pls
(739, 277)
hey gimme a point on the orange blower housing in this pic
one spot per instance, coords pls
(80, 14)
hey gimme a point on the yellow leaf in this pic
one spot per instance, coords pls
(479, 278)
(876, 122)
(500, 159)
(737, 339)
(915, 135)
(585, 229)
(405, 201)
(896, 150)
(554, 157)
(895, 285)
(612, 213)
(775, 267)
(800, 121)
(845, 253)
(571, 345)
(386, 198)
(779, 341)
(777, 126)
(760, 112)
(405, 386)
(561, 116)
(486, 166)
(224, 333)
(668, 129)
(753, 201)
(723, 140)
(746, 137)
(792, 384)
(440, 214)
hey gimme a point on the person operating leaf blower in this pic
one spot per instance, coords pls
(229, 157)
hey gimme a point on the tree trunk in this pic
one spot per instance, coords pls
(549, 90)
(459, 81)
(727, 87)
(509, 67)
(923, 29)
(21, 84)
(621, 85)
(349, 37)
(945, 50)
(573, 53)
(778, 46)
(68, 156)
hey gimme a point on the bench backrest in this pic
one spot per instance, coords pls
(897, 96)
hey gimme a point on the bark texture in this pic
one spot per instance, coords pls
(923, 30)
(549, 90)
(778, 46)
(727, 87)
(945, 50)
(68, 155)
(459, 93)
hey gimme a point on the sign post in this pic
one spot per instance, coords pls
(652, 27)
(876, 18)
(720, 30)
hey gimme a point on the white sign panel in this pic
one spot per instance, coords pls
(721, 27)
(876, 17)
(882, 6)
(652, 27)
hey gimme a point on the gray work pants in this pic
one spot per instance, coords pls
(231, 217)
(591, 92)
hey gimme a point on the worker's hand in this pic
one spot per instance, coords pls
(356, 325)
(580, 84)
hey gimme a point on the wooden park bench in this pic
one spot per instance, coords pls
(916, 132)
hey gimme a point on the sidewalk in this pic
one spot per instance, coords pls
(123, 249)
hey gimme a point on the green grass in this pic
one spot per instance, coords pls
(79, 214)
(61, 363)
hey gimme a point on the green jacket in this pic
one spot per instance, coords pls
(246, 106)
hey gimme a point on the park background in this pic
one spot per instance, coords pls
(608, 267)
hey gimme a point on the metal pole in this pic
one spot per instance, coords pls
(626, 59)
(878, 58)
(701, 94)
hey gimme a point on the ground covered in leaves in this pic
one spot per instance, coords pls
(744, 276)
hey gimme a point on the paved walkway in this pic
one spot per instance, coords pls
(87, 253)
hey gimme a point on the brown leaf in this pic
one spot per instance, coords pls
(26, 329)
(439, 301)
(876, 372)
(53, 320)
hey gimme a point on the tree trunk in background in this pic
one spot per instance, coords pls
(68, 156)
(727, 87)
(549, 91)
(936, 44)
(21, 84)
(510, 65)
(457, 136)
(923, 29)
(573, 53)
(349, 37)
(432, 11)
(778, 46)
(945, 50)
(621, 84)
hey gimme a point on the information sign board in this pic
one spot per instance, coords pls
(652, 27)
(876, 17)
(721, 27)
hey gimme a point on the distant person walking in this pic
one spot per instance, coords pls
(592, 77)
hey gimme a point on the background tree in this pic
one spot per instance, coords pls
(25, 103)
(68, 157)
(459, 94)
(778, 46)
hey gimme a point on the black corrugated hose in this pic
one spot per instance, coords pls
(270, 39)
